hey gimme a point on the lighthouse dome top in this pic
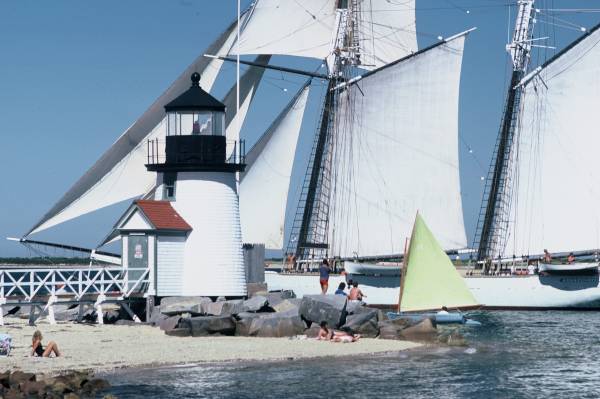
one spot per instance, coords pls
(195, 99)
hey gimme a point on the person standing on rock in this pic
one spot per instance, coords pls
(324, 271)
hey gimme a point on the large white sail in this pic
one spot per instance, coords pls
(265, 183)
(556, 168)
(302, 28)
(396, 153)
(309, 28)
(120, 173)
(387, 31)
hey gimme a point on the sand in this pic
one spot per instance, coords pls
(102, 348)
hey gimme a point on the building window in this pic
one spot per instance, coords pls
(169, 179)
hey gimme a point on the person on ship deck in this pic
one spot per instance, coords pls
(547, 256)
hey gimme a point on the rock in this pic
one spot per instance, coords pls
(329, 308)
(313, 331)
(255, 303)
(5, 379)
(288, 304)
(156, 316)
(225, 308)
(94, 385)
(32, 388)
(286, 324)
(71, 395)
(208, 325)
(392, 329)
(257, 289)
(243, 323)
(194, 305)
(111, 316)
(179, 332)
(169, 323)
(13, 393)
(423, 331)
(18, 377)
(364, 324)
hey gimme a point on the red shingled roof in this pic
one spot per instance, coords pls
(162, 215)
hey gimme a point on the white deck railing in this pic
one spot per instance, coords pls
(71, 284)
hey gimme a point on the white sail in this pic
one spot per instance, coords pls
(120, 173)
(265, 183)
(396, 153)
(556, 198)
(302, 28)
(387, 31)
(309, 28)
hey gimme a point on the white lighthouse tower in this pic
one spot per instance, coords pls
(192, 226)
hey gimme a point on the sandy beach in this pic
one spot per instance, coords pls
(108, 347)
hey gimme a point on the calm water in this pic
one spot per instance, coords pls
(513, 355)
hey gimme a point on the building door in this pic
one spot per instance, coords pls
(137, 258)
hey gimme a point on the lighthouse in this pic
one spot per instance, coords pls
(189, 231)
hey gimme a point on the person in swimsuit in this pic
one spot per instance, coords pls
(355, 293)
(37, 349)
(325, 334)
(324, 271)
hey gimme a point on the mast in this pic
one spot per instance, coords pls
(309, 235)
(493, 217)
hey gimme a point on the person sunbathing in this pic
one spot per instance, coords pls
(325, 334)
(37, 349)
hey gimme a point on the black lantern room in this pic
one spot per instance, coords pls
(195, 135)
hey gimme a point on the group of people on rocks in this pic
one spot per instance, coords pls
(354, 294)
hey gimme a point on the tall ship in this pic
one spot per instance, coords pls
(386, 146)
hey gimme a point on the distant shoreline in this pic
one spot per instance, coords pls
(108, 348)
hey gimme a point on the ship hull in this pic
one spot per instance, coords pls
(516, 292)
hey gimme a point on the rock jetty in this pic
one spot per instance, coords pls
(18, 384)
(281, 314)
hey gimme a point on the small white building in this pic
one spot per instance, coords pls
(153, 235)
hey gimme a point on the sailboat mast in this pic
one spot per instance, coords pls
(310, 231)
(495, 208)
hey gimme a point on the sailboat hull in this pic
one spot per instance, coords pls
(494, 292)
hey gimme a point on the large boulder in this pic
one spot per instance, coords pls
(257, 289)
(156, 316)
(243, 322)
(276, 297)
(225, 308)
(392, 329)
(312, 331)
(329, 308)
(194, 305)
(423, 331)
(364, 323)
(209, 325)
(169, 323)
(286, 324)
(288, 304)
(255, 303)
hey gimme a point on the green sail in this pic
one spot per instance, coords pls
(431, 280)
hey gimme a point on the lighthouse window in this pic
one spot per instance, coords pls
(169, 179)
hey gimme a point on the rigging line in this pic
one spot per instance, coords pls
(564, 21)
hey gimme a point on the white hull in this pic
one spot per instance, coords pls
(531, 291)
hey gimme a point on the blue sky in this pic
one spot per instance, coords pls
(74, 75)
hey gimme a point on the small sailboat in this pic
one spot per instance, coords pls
(430, 282)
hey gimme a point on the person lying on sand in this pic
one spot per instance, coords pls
(37, 349)
(325, 334)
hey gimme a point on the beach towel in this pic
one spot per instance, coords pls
(5, 343)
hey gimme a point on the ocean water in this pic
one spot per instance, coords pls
(512, 355)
